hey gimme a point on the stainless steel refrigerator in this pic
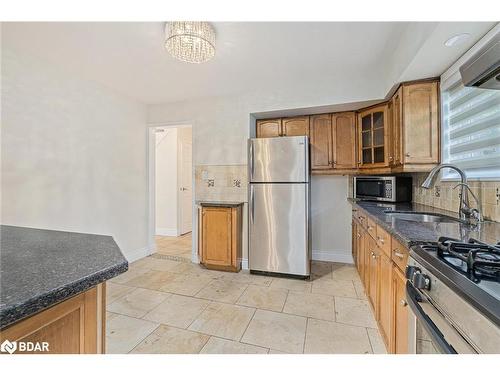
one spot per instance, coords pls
(279, 206)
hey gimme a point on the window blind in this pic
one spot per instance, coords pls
(471, 137)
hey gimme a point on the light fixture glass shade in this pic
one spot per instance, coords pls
(190, 41)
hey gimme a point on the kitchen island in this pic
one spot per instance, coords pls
(52, 288)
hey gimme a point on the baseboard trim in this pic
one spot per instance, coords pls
(132, 256)
(340, 256)
(172, 232)
(244, 264)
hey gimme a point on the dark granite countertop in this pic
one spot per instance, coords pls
(39, 268)
(409, 232)
(219, 203)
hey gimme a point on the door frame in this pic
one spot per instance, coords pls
(151, 188)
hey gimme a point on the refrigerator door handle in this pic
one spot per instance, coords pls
(252, 203)
(251, 161)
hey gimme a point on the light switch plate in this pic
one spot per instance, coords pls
(204, 175)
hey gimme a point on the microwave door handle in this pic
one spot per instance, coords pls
(414, 299)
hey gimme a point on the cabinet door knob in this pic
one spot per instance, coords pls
(403, 302)
(407, 154)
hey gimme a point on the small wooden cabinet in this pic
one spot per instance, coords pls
(220, 236)
(295, 126)
(269, 128)
(420, 142)
(333, 142)
(283, 127)
(373, 137)
(74, 326)
(321, 141)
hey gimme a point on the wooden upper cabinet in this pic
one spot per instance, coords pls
(344, 140)
(321, 141)
(421, 123)
(269, 128)
(373, 136)
(294, 126)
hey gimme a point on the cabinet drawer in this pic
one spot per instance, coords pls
(399, 254)
(361, 217)
(371, 227)
(384, 240)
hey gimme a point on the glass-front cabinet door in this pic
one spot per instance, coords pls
(372, 137)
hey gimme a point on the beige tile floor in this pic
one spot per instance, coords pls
(176, 248)
(167, 306)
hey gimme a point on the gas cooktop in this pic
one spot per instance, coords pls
(473, 264)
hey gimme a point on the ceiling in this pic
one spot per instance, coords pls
(130, 57)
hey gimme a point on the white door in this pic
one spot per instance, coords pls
(185, 184)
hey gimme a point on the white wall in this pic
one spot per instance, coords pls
(330, 216)
(73, 154)
(166, 182)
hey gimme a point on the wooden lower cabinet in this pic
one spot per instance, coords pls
(385, 314)
(400, 308)
(74, 326)
(374, 277)
(384, 282)
(220, 237)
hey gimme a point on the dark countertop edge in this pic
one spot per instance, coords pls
(404, 240)
(39, 303)
(479, 299)
(219, 204)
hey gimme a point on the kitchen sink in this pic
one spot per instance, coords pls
(424, 217)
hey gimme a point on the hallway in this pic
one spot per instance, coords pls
(175, 248)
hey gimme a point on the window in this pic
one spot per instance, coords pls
(471, 131)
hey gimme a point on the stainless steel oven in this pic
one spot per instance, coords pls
(440, 321)
(383, 188)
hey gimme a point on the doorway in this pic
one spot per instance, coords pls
(173, 192)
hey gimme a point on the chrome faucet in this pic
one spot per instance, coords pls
(465, 212)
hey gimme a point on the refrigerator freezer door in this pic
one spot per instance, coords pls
(279, 228)
(280, 159)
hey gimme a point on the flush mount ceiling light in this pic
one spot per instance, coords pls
(190, 41)
(456, 39)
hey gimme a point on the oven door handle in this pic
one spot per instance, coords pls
(414, 299)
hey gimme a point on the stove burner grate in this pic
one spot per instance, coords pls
(481, 260)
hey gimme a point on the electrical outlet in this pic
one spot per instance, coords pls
(498, 195)
(437, 191)
(210, 182)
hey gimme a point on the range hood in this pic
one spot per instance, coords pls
(482, 70)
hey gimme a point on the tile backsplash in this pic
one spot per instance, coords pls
(442, 195)
(224, 183)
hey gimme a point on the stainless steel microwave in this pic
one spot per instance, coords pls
(383, 188)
